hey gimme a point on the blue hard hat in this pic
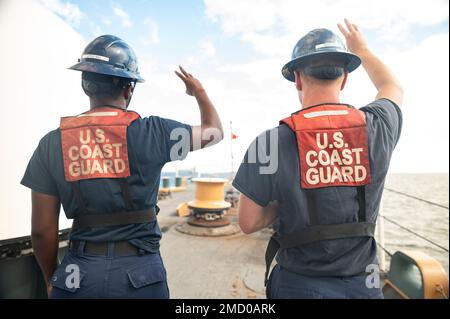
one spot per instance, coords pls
(319, 43)
(109, 55)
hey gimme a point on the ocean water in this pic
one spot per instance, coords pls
(428, 220)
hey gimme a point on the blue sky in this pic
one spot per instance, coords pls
(183, 25)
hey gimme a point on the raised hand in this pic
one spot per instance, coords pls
(193, 85)
(356, 42)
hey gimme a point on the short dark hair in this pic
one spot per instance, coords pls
(324, 72)
(103, 86)
(330, 68)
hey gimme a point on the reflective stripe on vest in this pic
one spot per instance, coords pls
(94, 144)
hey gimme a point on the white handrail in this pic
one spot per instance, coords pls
(382, 253)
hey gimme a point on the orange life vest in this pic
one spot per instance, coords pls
(332, 146)
(94, 144)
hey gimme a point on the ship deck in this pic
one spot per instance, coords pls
(210, 267)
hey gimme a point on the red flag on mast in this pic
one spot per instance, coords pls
(233, 136)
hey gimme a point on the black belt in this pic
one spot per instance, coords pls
(119, 248)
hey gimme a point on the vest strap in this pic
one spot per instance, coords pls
(80, 201)
(85, 219)
(126, 193)
(114, 219)
(326, 232)
(313, 234)
(271, 251)
(361, 193)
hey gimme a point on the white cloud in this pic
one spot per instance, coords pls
(273, 26)
(424, 73)
(106, 21)
(97, 31)
(124, 17)
(422, 68)
(206, 52)
(242, 16)
(69, 11)
(259, 71)
(153, 32)
(208, 49)
(255, 97)
(264, 96)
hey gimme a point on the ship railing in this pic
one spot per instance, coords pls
(383, 218)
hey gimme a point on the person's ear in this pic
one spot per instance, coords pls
(298, 81)
(128, 92)
(344, 82)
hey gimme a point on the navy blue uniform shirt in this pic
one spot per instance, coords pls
(149, 148)
(331, 205)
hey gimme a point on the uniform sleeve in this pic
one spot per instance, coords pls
(255, 176)
(387, 117)
(37, 175)
(173, 138)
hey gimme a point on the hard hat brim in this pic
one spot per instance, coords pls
(352, 62)
(106, 69)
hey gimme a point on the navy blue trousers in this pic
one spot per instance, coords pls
(84, 276)
(284, 284)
